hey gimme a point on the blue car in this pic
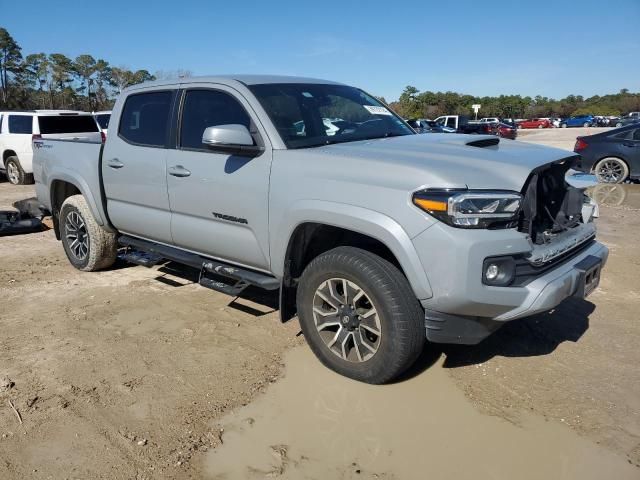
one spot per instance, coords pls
(578, 121)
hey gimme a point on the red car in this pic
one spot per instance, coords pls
(506, 131)
(535, 123)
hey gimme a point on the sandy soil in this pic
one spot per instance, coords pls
(140, 373)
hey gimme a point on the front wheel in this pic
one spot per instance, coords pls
(564, 125)
(359, 315)
(619, 124)
(611, 170)
(586, 124)
(88, 246)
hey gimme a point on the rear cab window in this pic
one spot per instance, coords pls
(53, 124)
(145, 118)
(103, 120)
(22, 124)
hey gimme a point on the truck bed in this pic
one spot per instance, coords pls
(74, 161)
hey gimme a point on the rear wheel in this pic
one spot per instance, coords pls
(563, 125)
(611, 170)
(586, 124)
(88, 246)
(359, 315)
(540, 126)
(15, 174)
(619, 124)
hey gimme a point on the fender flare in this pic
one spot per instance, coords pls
(68, 176)
(361, 220)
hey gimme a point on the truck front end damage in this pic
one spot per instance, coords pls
(494, 276)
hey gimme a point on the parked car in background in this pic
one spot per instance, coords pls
(489, 120)
(556, 122)
(463, 124)
(506, 130)
(578, 121)
(18, 129)
(103, 120)
(614, 155)
(535, 123)
(628, 120)
(422, 125)
(376, 237)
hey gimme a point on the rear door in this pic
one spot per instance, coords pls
(134, 166)
(632, 154)
(21, 129)
(219, 202)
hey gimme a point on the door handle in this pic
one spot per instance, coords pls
(179, 171)
(629, 144)
(115, 163)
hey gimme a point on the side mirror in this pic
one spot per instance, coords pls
(233, 139)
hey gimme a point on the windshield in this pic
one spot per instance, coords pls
(310, 115)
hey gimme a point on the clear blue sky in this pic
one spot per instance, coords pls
(545, 47)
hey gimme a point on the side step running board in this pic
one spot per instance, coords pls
(154, 253)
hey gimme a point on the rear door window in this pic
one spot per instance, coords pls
(145, 119)
(636, 135)
(52, 124)
(21, 124)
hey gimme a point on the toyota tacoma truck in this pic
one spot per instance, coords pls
(377, 238)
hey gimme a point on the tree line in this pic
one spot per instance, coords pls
(416, 104)
(42, 81)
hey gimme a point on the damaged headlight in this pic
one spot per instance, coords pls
(471, 208)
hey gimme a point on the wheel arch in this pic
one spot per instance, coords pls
(314, 231)
(6, 154)
(64, 185)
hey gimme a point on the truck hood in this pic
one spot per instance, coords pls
(443, 160)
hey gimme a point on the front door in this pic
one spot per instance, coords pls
(134, 166)
(219, 202)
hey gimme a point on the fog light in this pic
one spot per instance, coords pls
(492, 272)
(498, 271)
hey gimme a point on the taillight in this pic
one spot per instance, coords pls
(103, 136)
(580, 145)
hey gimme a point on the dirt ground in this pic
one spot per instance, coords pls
(141, 373)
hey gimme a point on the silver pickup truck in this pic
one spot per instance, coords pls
(377, 238)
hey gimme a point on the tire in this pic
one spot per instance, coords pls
(563, 125)
(97, 248)
(586, 124)
(15, 174)
(611, 170)
(377, 286)
(619, 124)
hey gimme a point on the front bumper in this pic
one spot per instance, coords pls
(462, 309)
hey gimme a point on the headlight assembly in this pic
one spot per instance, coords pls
(471, 208)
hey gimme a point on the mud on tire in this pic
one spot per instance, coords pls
(88, 246)
(376, 285)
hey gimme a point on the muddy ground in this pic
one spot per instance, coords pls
(140, 373)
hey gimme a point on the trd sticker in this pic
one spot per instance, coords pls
(230, 218)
